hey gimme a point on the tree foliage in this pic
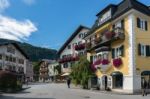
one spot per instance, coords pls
(81, 72)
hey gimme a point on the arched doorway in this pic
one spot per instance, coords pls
(117, 80)
(145, 75)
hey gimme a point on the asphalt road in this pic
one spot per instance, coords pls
(60, 91)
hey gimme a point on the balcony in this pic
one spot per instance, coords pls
(69, 59)
(80, 47)
(106, 39)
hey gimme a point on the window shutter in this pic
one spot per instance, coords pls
(146, 26)
(122, 50)
(91, 59)
(147, 50)
(139, 49)
(113, 53)
(122, 24)
(138, 23)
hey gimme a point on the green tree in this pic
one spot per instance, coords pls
(81, 72)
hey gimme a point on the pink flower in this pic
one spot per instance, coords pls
(117, 62)
(105, 62)
(98, 62)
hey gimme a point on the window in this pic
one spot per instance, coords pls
(81, 35)
(117, 52)
(80, 42)
(142, 24)
(10, 50)
(21, 61)
(7, 58)
(144, 50)
(106, 16)
(1, 66)
(119, 24)
(64, 56)
(69, 46)
(65, 65)
(0, 56)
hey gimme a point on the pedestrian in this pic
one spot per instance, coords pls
(68, 81)
(144, 87)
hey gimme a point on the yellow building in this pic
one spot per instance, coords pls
(118, 46)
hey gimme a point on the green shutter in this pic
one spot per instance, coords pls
(122, 50)
(147, 50)
(138, 23)
(146, 26)
(113, 53)
(139, 49)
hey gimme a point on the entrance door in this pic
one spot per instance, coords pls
(105, 82)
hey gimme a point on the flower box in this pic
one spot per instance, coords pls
(80, 47)
(109, 35)
(117, 62)
(105, 62)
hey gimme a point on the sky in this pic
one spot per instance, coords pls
(48, 23)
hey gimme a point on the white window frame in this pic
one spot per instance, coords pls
(117, 52)
(142, 24)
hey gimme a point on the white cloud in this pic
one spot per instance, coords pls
(16, 30)
(29, 2)
(4, 4)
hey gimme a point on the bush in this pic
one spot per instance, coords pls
(8, 81)
(81, 72)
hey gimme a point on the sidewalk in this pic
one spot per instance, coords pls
(103, 91)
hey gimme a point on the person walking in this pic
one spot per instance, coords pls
(144, 87)
(68, 81)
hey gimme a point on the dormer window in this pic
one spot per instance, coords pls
(81, 35)
(105, 17)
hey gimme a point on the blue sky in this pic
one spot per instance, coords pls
(50, 22)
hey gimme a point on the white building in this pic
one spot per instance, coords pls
(13, 58)
(52, 71)
(72, 48)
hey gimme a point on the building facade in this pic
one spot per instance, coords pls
(71, 50)
(118, 46)
(53, 72)
(13, 59)
(43, 71)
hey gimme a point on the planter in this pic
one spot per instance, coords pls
(80, 47)
(105, 62)
(117, 62)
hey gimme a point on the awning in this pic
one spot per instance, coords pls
(116, 73)
(145, 73)
(65, 74)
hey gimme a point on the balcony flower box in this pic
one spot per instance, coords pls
(109, 35)
(80, 47)
(105, 62)
(98, 62)
(117, 62)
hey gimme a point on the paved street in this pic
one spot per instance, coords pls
(60, 91)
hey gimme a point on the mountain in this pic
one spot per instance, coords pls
(35, 53)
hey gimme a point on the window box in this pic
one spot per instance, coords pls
(117, 62)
